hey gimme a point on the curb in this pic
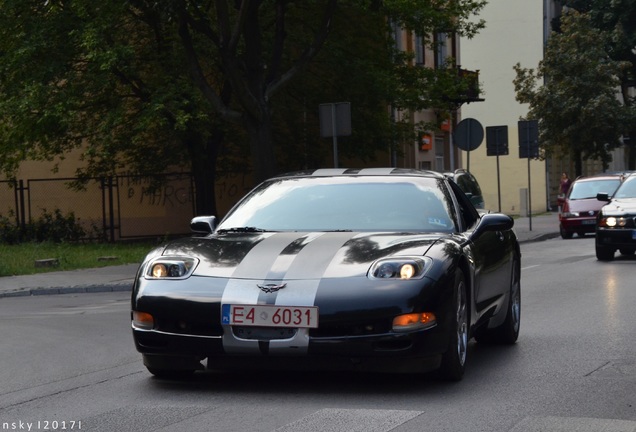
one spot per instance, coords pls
(81, 289)
(540, 237)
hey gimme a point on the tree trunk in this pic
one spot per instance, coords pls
(578, 163)
(204, 154)
(262, 145)
(631, 151)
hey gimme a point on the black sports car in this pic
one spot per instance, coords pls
(616, 222)
(372, 269)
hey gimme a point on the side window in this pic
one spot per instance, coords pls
(467, 212)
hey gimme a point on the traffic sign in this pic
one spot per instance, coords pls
(469, 134)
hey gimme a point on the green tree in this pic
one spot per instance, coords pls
(577, 107)
(617, 18)
(151, 86)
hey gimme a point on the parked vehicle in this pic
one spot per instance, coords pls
(469, 185)
(616, 225)
(579, 207)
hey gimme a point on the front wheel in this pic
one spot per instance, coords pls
(171, 367)
(604, 253)
(454, 360)
(566, 235)
(168, 374)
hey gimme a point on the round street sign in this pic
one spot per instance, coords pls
(469, 134)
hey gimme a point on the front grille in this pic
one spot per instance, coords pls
(264, 333)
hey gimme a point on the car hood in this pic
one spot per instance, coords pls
(621, 206)
(585, 205)
(295, 255)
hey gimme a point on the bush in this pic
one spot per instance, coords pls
(49, 227)
(9, 231)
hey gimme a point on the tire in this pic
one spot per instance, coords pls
(604, 253)
(171, 374)
(566, 235)
(508, 332)
(171, 367)
(454, 359)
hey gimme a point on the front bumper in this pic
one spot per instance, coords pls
(616, 237)
(416, 351)
(579, 225)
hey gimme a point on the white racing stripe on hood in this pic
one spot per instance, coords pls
(302, 277)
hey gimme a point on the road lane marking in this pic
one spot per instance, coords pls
(529, 267)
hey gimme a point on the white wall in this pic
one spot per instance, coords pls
(513, 34)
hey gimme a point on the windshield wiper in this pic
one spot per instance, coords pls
(241, 230)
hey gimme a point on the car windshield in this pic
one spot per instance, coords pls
(627, 189)
(344, 204)
(589, 189)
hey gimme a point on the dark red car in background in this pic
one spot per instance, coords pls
(580, 207)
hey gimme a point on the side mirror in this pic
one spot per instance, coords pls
(603, 196)
(203, 224)
(493, 222)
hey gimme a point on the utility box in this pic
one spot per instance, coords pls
(523, 202)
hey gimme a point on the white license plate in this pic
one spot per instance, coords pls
(270, 316)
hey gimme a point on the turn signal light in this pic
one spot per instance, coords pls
(414, 321)
(142, 320)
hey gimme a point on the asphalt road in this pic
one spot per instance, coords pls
(68, 363)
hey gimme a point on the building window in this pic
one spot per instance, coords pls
(419, 51)
(397, 35)
(439, 153)
(441, 49)
(425, 165)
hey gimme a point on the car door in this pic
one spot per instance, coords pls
(492, 252)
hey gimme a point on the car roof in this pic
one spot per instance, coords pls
(603, 176)
(332, 172)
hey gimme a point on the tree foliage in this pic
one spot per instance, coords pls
(577, 107)
(617, 18)
(151, 86)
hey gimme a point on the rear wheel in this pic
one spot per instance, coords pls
(454, 360)
(508, 332)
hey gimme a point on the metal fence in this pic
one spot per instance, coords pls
(114, 208)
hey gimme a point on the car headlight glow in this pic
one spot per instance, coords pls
(570, 214)
(399, 268)
(612, 221)
(171, 268)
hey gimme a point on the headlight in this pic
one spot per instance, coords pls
(612, 221)
(171, 268)
(570, 214)
(399, 268)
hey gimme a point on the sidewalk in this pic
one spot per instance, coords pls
(120, 278)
